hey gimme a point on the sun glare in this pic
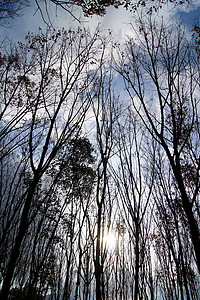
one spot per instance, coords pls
(110, 240)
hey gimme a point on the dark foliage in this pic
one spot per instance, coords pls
(13, 8)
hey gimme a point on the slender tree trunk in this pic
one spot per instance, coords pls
(78, 274)
(66, 294)
(182, 262)
(18, 241)
(66, 287)
(187, 206)
(97, 262)
(136, 292)
(86, 292)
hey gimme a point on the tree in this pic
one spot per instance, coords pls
(105, 110)
(57, 111)
(159, 72)
(14, 8)
(176, 270)
(17, 294)
(196, 37)
(98, 7)
(134, 179)
(76, 179)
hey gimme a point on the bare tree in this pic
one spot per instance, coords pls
(134, 179)
(58, 110)
(159, 71)
(106, 111)
(172, 241)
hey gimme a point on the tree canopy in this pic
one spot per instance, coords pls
(100, 160)
(14, 8)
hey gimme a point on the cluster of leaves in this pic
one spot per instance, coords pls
(99, 7)
(72, 166)
(196, 38)
(11, 9)
(17, 294)
(154, 5)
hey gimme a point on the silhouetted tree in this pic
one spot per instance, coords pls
(57, 112)
(134, 179)
(160, 73)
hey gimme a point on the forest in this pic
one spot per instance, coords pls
(100, 164)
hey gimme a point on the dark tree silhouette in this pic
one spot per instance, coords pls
(61, 60)
(158, 73)
(196, 37)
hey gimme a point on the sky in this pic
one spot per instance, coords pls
(118, 20)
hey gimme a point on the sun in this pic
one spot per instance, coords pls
(109, 240)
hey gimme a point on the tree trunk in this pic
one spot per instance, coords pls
(18, 241)
(98, 268)
(136, 291)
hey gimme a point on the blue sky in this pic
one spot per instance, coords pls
(188, 14)
(116, 19)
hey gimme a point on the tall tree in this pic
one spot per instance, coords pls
(160, 74)
(171, 238)
(134, 179)
(58, 110)
(106, 111)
